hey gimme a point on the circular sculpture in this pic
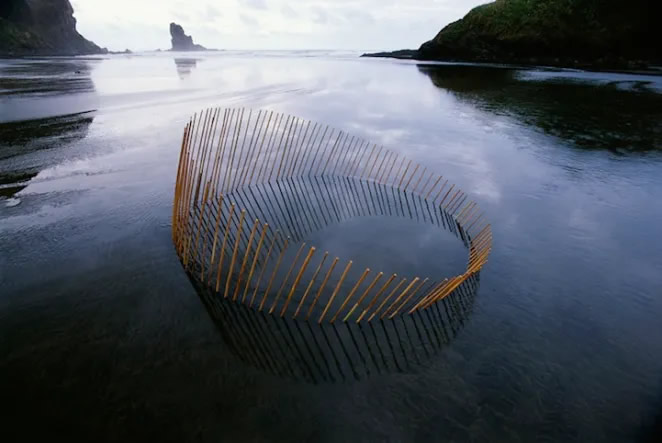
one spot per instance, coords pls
(251, 185)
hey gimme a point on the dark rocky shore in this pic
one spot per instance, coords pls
(603, 34)
(41, 27)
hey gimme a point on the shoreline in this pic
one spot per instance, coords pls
(531, 63)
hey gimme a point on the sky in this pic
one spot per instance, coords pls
(268, 24)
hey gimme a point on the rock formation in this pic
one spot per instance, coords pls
(41, 27)
(181, 41)
(597, 33)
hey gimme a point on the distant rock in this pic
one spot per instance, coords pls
(406, 54)
(41, 27)
(181, 41)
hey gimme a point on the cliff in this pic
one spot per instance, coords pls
(601, 33)
(41, 27)
(181, 41)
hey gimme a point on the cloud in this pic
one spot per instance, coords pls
(249, 20)
(289, 12)
(212, 12)
(320, 16)
(257, 4)
(360, 17)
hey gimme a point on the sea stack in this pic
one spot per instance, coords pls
(181, 41)
(41, 27)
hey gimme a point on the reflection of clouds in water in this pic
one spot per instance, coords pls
(630, 82)
(585, 110)
(45, 77)
(31, 146)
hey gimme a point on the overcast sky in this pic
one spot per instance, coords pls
(268, 24)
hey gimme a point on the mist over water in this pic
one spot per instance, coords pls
(103, 337)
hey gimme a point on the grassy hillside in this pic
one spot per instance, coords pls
(555, 31)
(16, 38)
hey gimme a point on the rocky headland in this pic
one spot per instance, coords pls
(41, 27)
(575, 33)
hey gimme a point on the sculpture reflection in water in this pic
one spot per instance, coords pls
(340, 351)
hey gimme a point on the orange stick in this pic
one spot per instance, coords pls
(377, 295)
(319, 291)
(363, 296)
(351, 294)
(310, 284)
(335, 291)
(297, 279)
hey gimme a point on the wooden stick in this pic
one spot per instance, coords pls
(374, 162)
(351, 294)
(217, 225)
(243, 262)
(464, 210)
(363, 296)
(363, 149)
(354, 164)
(287, 277)
(295, 122)
(480, 216)
(313, 162)
(345, 148)
(404, 174)
(237, 134)
(222, 144)
(319, 291)
(251, 146)
(399, 297)
(413, 174)
(273, 274)
(310, 285)
(333, 149)
(419, 180)
(272, 136)
(466, 218)
(368, 161)
(234, 253)
(387, 154)
(377, 295)
(299, 149)
(404, 303)
(433, 187)
(446, 195)
(257, 255)
(397, 174)
(264, 268)
(335, 291)
(384, 179)
(225, 240)
(387, 299)
(309, 148)
(428, 297)
(297, 279)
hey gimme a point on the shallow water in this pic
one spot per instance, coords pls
(103, 337)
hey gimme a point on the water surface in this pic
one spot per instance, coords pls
(103, 337)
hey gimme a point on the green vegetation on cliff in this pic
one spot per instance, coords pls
(41, 27)
(603, 33)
